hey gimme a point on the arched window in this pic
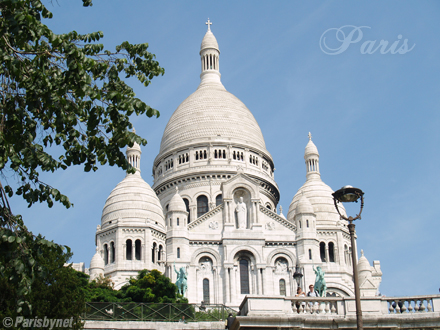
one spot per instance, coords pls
(310, 254)
(159, 254)
(307, 223)
(299, 224)
(206, 291)
(153, 252)
(346, 254)
(187, 208)
(282, 287)
(322, 251)
(349, 256)
(178, 253)
(202, 205)
(218, 200)
(128, 249)
(331, 251)
(269, 207)
(105, 254)
(177, 222)
(137, 249)
(112, 252)
(244, 276)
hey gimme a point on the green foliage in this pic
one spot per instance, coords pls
(152, 286)
(64, 91)
(55, 292)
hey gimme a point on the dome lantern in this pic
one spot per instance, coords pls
(311, 156)
(209, 56)
(134, 156)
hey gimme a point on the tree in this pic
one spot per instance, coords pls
(58, 293)
(60, 90)
(151, 287)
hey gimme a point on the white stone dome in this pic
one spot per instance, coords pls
(211, 112)
(177, 203)
(363, 263)
(133, 201)
(310, 149)
(209, 41)
(97, 262)
(320, 197)
(304, 206)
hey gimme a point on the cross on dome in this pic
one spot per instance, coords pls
(310, 136)
(209, 24)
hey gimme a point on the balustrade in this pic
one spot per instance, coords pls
(409, 305)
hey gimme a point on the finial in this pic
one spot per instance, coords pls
(209, 24)
(177, 189)
(134, 131)
(97, 249)
(362, 253)
(281, 209)
(310, 136)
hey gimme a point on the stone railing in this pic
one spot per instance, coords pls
(259, 305)
(416, 304)
(306, 313)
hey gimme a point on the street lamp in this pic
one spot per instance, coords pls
(297, 275)
(343, 195)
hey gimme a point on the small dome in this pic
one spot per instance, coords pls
(363, 264)
(97, 261)
(177, 203)
(136, 147)
(320, 197)
(310, 148)
(304, 206)
(133, 201)
(209, 41)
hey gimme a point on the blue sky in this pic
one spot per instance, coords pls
(374, 117)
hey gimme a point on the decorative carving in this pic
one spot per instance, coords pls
(270, 225)
(205, 265)
(281, 266)
(213, 225)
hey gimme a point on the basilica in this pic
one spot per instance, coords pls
(212, 211)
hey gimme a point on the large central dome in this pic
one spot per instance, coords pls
(211, 111)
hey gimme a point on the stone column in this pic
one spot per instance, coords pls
(291, 280)
(227, 285)
(234, 286)
(193, 215)
(257, 280)
(327, 256)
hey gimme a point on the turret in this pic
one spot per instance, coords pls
(311, 157)
(177, 230)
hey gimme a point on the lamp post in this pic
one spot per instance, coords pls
(350, 194)
(297, 275)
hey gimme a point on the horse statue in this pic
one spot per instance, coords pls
(320, 285)
(181, 282)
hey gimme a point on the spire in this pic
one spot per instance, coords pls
(134, 156)
(209, 56)
(311, 157)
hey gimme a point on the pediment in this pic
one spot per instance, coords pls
(240, 180)
(367, 284)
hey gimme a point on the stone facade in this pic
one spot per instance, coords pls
(213, 209)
